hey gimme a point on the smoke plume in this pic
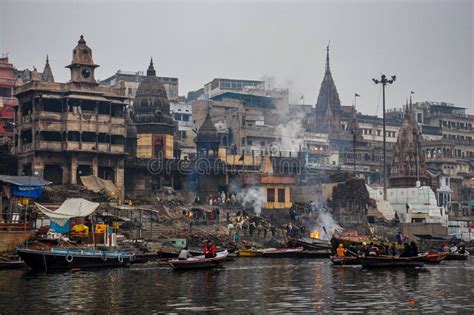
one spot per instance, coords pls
(252, 197)
(291, 134)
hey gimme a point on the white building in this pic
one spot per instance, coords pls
(417, 205)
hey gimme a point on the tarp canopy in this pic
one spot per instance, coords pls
(97, 185)
(28, 181)
(71, 208)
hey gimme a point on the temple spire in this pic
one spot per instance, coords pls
(327, 59)
(151, 69)
(47, 74)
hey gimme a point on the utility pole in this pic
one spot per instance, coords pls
(354, 136)
(384, 81)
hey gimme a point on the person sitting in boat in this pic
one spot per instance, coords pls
(341, 251)
(406, 251)
(414, 249)
(184, 254)
(352, 250)
(445, 248)
(363, 249)
(373, 250)
(462, 249)
(209, 250)
(393, 250)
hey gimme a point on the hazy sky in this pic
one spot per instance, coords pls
(427, 44)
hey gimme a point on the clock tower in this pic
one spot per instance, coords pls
(82, 66)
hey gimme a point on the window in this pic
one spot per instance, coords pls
(270, 195)
(182, 134)
(130, 91)
(281, 195)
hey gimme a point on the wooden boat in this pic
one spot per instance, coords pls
(345, 260)
(390, 262)
(348, 237)
(313, 244)
(199, 262)
(432, 257)
(12, 264)
(55, 259)
(250, 252)
(456, 256)
(281, 252)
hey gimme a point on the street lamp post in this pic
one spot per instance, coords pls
(384, 81)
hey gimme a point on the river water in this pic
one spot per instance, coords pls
(245, 285)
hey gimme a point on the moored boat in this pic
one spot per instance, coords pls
(345, 260)
(457, 256)
(250, 252)
(282, 252)
(390, 262)
(56, 259)
(200, 262)
(432, 257)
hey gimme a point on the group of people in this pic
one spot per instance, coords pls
(364, 249)
(219, 199)
(209, 251)
(250, 228)
(460, 249)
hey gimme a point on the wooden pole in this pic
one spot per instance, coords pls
(93, 231)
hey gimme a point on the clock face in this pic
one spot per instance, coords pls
(86, 73)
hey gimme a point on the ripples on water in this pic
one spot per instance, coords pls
(243, 286)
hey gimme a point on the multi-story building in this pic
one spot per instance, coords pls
(182, 113)
(132, 80)
(7, 100)
(250, 92)
(73, 129)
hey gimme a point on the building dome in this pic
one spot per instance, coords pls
(207, 132)
(151, 102)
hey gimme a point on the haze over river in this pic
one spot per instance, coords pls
(244, 285)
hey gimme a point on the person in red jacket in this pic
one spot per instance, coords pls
(209, 250)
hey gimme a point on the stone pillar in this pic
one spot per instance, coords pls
(95, 166)
(73, 169)
(119, 178)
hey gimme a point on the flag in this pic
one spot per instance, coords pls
(356, 95)
(412, 92)
(302, 97)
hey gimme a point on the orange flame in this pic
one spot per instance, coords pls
(314, 234)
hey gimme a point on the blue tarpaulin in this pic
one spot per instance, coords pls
(25, 186)
(61, 228)
(27, 191)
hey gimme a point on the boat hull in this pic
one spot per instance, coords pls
(199, 262)
(432, 258)
(346, 260)
(456, 257)
(389, 262)
(282, 252)
(250, 253)
(47, 261)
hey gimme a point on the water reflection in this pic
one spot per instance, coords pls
(245, 285)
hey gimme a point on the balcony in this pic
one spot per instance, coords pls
(49, 145)
(103, 147)
(8, 101)
(43, 115)
(118, 121)
(117, 148)
(88, 146)
(72, 145)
